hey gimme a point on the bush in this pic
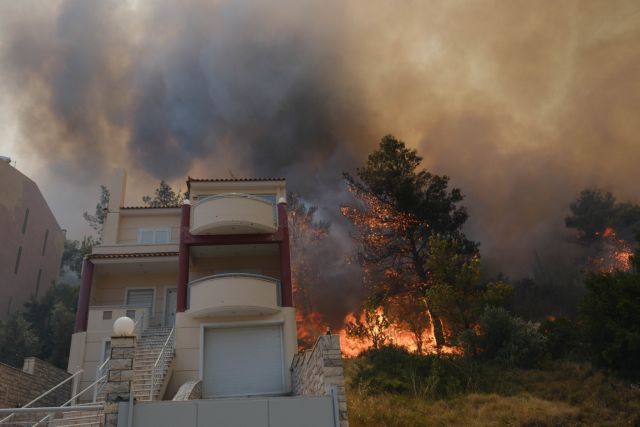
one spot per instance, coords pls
(611, 315)
(510, 341)
(393, 369)
(563, 338)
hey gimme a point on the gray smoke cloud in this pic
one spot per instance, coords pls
(522, 103)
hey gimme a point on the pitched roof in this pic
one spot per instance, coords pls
(150, 207)
(189, 179)
(133, 255)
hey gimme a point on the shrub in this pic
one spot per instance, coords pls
(510, 341)
(563, 338)
(611, 315)
(393, 369)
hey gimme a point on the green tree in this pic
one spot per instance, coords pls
(591, 213)
(51, 318)
(97, 219)
(164, 197)
(17, 340)
(456, 292)
(399, 207)
(595, 210)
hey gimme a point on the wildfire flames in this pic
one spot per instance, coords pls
(615, 254)
(310, 327)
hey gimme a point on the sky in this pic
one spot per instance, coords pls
(523, 104)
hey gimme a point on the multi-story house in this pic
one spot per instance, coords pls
(31, 241)
(210, 278)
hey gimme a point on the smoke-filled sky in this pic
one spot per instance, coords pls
(522, 103)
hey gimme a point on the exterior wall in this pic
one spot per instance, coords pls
(111, 290)
(315, 372)
(130, 224)
(17, 194)
(188, 339)
(18, 387)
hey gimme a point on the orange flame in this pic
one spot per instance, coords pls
(616, 254)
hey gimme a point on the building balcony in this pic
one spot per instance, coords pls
(234, 294)
(234, 213)
(101, 318)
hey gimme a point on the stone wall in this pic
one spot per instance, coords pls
(120, 379)
(319, 370)
(18, 387)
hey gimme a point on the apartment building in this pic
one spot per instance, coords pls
(31, 241)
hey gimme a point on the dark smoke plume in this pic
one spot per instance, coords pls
(522, 103)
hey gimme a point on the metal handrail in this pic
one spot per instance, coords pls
(78, 372)
(230, 195)
(101, 372)
(73, 398)
(223, 275)
(162, 356)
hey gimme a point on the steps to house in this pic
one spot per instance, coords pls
(148, 349)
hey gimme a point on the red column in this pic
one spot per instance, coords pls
(285, 258)
(82, 313)
(183, 258)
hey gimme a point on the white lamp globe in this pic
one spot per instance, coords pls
(123, 327)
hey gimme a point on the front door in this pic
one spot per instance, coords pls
(170, 307)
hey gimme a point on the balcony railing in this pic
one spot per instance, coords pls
(234, 213)
(101, 317)
(234, 294)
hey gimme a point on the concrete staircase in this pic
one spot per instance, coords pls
(148, 348)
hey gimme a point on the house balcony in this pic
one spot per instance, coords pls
(102, 317)
(234, 294)
(234, 213)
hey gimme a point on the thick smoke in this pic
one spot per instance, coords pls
(523, 104)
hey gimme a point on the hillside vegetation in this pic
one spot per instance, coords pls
(561, 394)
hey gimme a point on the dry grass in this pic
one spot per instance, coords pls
(566, 394)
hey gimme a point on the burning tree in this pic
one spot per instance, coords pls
(605, 228)
(307, 234)
(398, 208)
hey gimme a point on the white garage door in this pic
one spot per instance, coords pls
(243, 361)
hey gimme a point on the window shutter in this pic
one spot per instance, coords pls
(140, 297)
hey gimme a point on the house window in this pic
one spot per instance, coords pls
(107, 315)
(150, 236)
(142, 297)
(44, 244)
(17, 267)
(131, 314)
(38, 281)
(26, 219)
